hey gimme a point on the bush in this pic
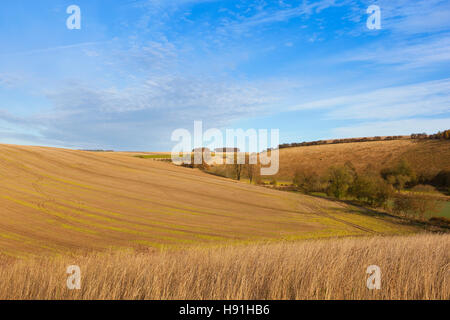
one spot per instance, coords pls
(440, 221)
(402, 206)
(416, 205)
(400, 175)
(442, 179)
(423, 188)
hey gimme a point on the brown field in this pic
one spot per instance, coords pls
(427, 156)
(55, 201)
(412, 267)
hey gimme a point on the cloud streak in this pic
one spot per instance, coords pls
(427, 98)
(397, 127)
(126, 118)
(409, 54)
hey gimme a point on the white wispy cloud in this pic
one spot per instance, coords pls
(405, 54)
(128, 118)
(165, 93)
(426, 98)
(284, 12)
(10, 80)
(397, 127)
(402, 17)
(55, 48)
(412, 17)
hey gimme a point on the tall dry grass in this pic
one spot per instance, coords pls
(413, 267)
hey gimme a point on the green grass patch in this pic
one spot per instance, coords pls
(445, 210)
(154, 156)
(319, 194)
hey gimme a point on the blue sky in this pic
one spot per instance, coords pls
(137, 70)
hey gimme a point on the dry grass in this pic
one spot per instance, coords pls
(413, 267)
(429, 156)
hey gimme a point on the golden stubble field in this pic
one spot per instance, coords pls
(57, 201)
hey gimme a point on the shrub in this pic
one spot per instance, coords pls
(442, 179)
(400, 175)
(440, 221)
(402, 205)
(416, 205)
(423, 188)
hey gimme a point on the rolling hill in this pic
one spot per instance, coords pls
(424, 156)
(57, 201)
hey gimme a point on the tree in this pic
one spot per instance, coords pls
(371, 189)
(362, 188)
(250, 169)
(340, 180)
(251, 166)
(400, 175)
(442, 179)
(238, 170)
(257, 174)
(306, 180)
(238, 167)
(402, 205)
(383, 194)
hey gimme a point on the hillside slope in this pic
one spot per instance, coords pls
(57, 201)
(427, 156)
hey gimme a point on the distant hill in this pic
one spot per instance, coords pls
(441, 135)
(427, 156)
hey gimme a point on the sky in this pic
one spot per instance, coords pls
(136, 70)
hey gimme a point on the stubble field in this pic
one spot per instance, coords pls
(56, 201)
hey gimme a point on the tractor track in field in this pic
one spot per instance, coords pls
(354, 225)
(318, 211)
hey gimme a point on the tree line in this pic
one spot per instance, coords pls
(385, 188)
(444, 135)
